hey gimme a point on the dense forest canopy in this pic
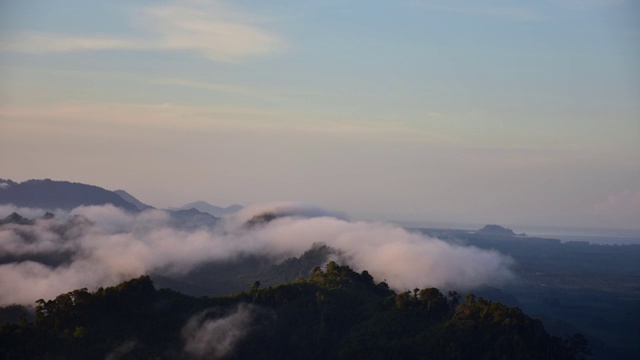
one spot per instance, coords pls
(335, 313)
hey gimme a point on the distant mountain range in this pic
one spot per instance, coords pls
(51, 195)
(54, 195)
(216, 211)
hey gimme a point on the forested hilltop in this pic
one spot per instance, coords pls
(336, 313)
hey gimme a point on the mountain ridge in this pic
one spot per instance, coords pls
(53, 194)
(133, 200)
(214, 210)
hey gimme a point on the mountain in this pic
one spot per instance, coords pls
(237, 274)
(333, 314)
(191, 219)
(216, 211)
(50, 194)
(15, 218)
(495, 230)
(132, 200)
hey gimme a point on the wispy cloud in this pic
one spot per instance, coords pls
(218, 87)
(211, 30)
(39, 43)
(164, 116)
(204, 85)
(209, 337)
(118, 117)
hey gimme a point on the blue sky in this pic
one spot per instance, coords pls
(461, 111)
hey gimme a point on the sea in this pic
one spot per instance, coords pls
(600, 236)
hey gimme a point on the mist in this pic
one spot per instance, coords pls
(99, 246)
(210, 337)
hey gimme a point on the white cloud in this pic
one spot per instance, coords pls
(214, 31)
(116, 246)
(211, 30)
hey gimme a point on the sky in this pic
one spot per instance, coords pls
(523, 113)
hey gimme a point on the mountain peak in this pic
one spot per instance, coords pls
(15, 218)
(214, 210)
(498, 230)
(132, 200)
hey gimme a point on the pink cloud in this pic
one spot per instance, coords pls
(625, 201)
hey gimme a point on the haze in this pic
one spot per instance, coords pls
(459, 111)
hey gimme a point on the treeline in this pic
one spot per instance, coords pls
(336, 313)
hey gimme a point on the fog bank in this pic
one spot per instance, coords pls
(103, 245)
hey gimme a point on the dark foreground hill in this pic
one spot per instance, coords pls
(334, 314)
(51, 195)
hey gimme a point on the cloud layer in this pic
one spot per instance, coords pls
(102, 245)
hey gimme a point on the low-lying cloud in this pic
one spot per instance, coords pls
(208, 337)
(102, 245)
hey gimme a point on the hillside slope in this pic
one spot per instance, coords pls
(334, 314)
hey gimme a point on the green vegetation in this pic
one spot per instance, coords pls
(336, 313)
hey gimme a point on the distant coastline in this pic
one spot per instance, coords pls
(600, 236)
(594, 239)
(593, 236)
